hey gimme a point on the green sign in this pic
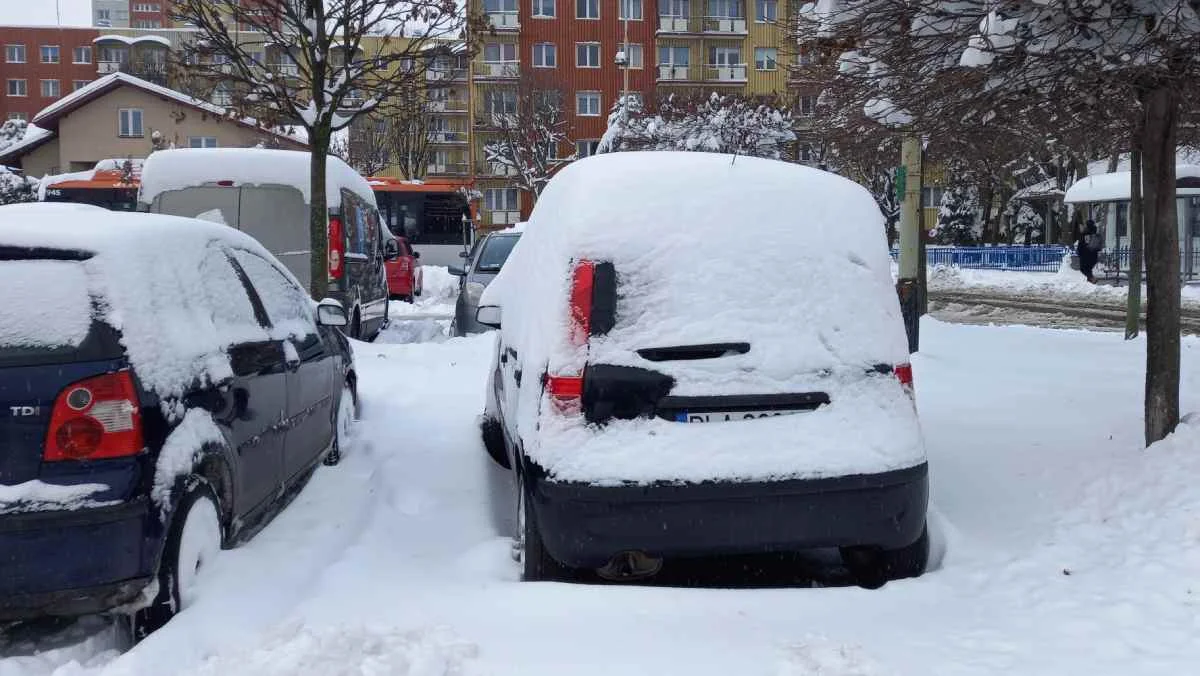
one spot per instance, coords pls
(901, 182)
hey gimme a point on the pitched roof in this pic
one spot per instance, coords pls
(34, 137)
(49, 116)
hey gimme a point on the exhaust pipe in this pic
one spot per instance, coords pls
(630, 565)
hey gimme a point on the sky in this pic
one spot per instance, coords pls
(42, 12)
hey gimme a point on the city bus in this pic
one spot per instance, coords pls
(434, 215)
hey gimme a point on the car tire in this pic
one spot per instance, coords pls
(343, 421)
(493, 441)
(529, 550)
(872, 567)
(194, 538)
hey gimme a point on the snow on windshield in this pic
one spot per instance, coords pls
(46, 303)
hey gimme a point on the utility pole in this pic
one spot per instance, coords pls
(908, 190)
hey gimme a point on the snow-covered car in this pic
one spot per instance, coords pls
(165, 385)
(266, 194)
(480, 267)
(648, 412)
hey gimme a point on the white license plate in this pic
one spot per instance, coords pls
(729, 416)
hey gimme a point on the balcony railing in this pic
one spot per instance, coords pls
(494, 120)
(668, 73)
(503, 20)
(725, 73)
(286, 69)
(448, 136)
(106, 67)
(498, 69)
(497, 169)
(678, 24)
(448, 169)
(446, 106)
(725, 24)
(446, 74)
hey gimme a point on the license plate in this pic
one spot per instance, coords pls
(728, 416)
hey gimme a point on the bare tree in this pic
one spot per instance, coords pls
(527, 124)
(408, 137)
(364, 146)
(318, 64)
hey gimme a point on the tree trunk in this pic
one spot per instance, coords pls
(1133, 307)
(1162, 263)
(985, 199)
(319, 215)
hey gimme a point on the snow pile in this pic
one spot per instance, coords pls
(154, 280)
(803, 338)
(178, 454)
(46, 303)
(1067, 283)
(437, 284)
(169, 170)
(37, 496)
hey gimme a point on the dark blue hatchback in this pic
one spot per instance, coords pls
(152, 411)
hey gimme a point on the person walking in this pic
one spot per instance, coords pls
(1088, 249)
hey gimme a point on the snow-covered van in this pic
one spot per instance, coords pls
(700, 354)
(265, 193)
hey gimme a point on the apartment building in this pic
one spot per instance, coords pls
(145, 14)
(41, 65)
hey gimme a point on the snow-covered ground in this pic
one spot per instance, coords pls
(1069, 548)
(1066, 284)
(428, 318)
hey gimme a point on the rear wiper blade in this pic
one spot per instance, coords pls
(690, 352)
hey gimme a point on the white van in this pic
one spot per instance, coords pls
(265, 193)
(703, 354)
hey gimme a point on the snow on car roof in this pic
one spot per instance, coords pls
(168, 170)
(147, 273)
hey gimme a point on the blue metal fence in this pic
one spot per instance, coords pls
(1116, 262)
(1041, 258)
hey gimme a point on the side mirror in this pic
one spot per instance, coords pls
(391, 250)
(463, 254)
(416, 254)
(456, 270)
(331, 313)
(488, 315)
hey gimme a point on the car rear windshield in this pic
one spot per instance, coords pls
(47, 307)
(495, 252)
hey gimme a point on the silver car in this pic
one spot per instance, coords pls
(481, 266)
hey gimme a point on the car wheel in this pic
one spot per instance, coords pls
(528, 549)
(347, 413)
(193, 541)
(873, 567)
(493, 441)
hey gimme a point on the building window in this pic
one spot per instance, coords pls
(545, 55)
(130, 123)
(500, 52)
(587, 103)
(676, 9)
(767, 11)
(82, 55)
(500, 102)
(764, 58)
(14, 53)
(725, 9)
(51, 89)
(18, 116)
(931, 197)
(631, 9)
(724, 56)
(673, 56)
(76, 85)
(633, 54)
(146, 7)
(805, 152)
(500, 199)
(587, 55)
(202, 141)
(543, 8)
(49, 53)
(103, 17)
(587, 9)
(18, 88)
(586, 148)
(808, 106)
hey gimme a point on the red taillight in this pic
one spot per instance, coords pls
(95, 418)
(566, 393)
(905, 375)
(582, 280)
(337, 249)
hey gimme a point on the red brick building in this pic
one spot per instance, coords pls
(41, 65)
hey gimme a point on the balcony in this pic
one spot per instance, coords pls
(503, 21)
(493, 121)
(725, 25)
(285, 69)
(735, 73)
(108, 67)
(678, 24)
(496, 169)
(446, 75)
(498, 69)
(447, 136)
(151, 71)
(446, 106)
(674, 73)
(449, 169)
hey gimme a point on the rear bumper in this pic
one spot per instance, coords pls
(401, 284)
(584, 526)
(75, 562)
